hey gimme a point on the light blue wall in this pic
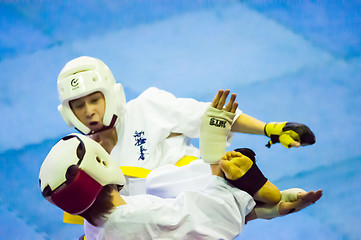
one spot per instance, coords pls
(286, 61)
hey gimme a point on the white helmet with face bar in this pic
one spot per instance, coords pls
(75, 171)
(85, 75)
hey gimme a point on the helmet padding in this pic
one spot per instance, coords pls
(85, 75)
(75, 171)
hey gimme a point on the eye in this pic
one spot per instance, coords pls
(81, 105)
(105, 163)
(77, 105)
(94, 100)
(98, 159)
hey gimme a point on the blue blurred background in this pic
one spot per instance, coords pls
(287, 61)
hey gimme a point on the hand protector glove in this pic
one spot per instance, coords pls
(215, 127)
(288, 132)
(289, 195)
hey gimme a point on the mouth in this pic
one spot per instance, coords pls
(93, 123)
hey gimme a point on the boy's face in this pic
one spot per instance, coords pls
(90, 110)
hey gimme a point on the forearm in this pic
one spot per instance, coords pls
(247, 124)
(216, 170)
(251, 216)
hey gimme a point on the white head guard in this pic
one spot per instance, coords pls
(85, 75)
(75, 171)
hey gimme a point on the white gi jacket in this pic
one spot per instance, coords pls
(144, 129)
(217, 212)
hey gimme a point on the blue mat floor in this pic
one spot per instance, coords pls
(286, 61)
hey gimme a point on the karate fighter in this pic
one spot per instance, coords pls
(149, 137)
(81, 178)
(152, 130)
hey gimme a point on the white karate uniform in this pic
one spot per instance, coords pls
(217, 212)
(144, 129)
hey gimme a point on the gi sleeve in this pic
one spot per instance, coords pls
(180, 115)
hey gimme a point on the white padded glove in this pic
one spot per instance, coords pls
(215, 127)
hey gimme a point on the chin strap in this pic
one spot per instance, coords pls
(111, 125)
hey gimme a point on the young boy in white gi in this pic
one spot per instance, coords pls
(152, 130)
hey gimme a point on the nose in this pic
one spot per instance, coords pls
(89, 110)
